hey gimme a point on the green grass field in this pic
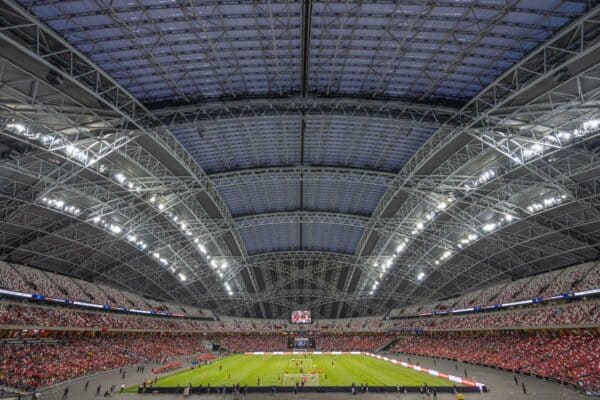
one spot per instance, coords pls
(278, 370)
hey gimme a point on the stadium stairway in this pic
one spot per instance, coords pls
(386, 346)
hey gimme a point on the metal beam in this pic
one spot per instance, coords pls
(394, 111)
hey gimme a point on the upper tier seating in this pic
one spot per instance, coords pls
(575, 278)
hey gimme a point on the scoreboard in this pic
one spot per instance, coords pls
(301, 343)
(301, 317)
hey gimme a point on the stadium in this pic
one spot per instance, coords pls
(299, 199)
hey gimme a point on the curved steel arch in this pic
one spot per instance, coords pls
(307, 173)
(303, 216)
(414, 113)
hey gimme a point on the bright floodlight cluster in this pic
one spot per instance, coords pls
(547, 202)
(553, 140)
(59, 143)
(61, 205)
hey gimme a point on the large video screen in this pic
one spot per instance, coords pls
(301, 317)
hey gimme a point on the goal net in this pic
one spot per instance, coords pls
(304, 363)
(308, 379)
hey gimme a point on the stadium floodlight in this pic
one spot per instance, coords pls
(547, 202)
(116, 229)
(213, 263)
(182, 277)
(119, 177)
(161, 206)
(224, 265)
(75, 152)
(421, 276)
(591, 125)
(61, 205)
(17, 127)
(489, 227)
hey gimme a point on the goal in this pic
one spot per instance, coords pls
(304, 363)
(308, 379)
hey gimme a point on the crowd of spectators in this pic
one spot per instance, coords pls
(27, 279)
(569, 359)
(42, 363)
(244, 343)
(577, 313)
(32, 280)
(17, 314)
(590, 279)
(572, 279)
(586, 313)
(579, 277)
(325, 342)
(11, 280)
(352, 342)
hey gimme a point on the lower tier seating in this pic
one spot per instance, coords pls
(571, 359)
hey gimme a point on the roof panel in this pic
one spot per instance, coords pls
(362, 48)
(194, 50)
(271, 238)
(315, 237)
(243, 143)
(360, 142)
(333, 238)
(219, 41)
(341, 197)
(263, 197)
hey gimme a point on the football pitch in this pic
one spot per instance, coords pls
(313, 370)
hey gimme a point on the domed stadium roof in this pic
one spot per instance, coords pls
(260, 157)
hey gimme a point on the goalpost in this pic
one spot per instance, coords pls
(304, 363)
(308, 379)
